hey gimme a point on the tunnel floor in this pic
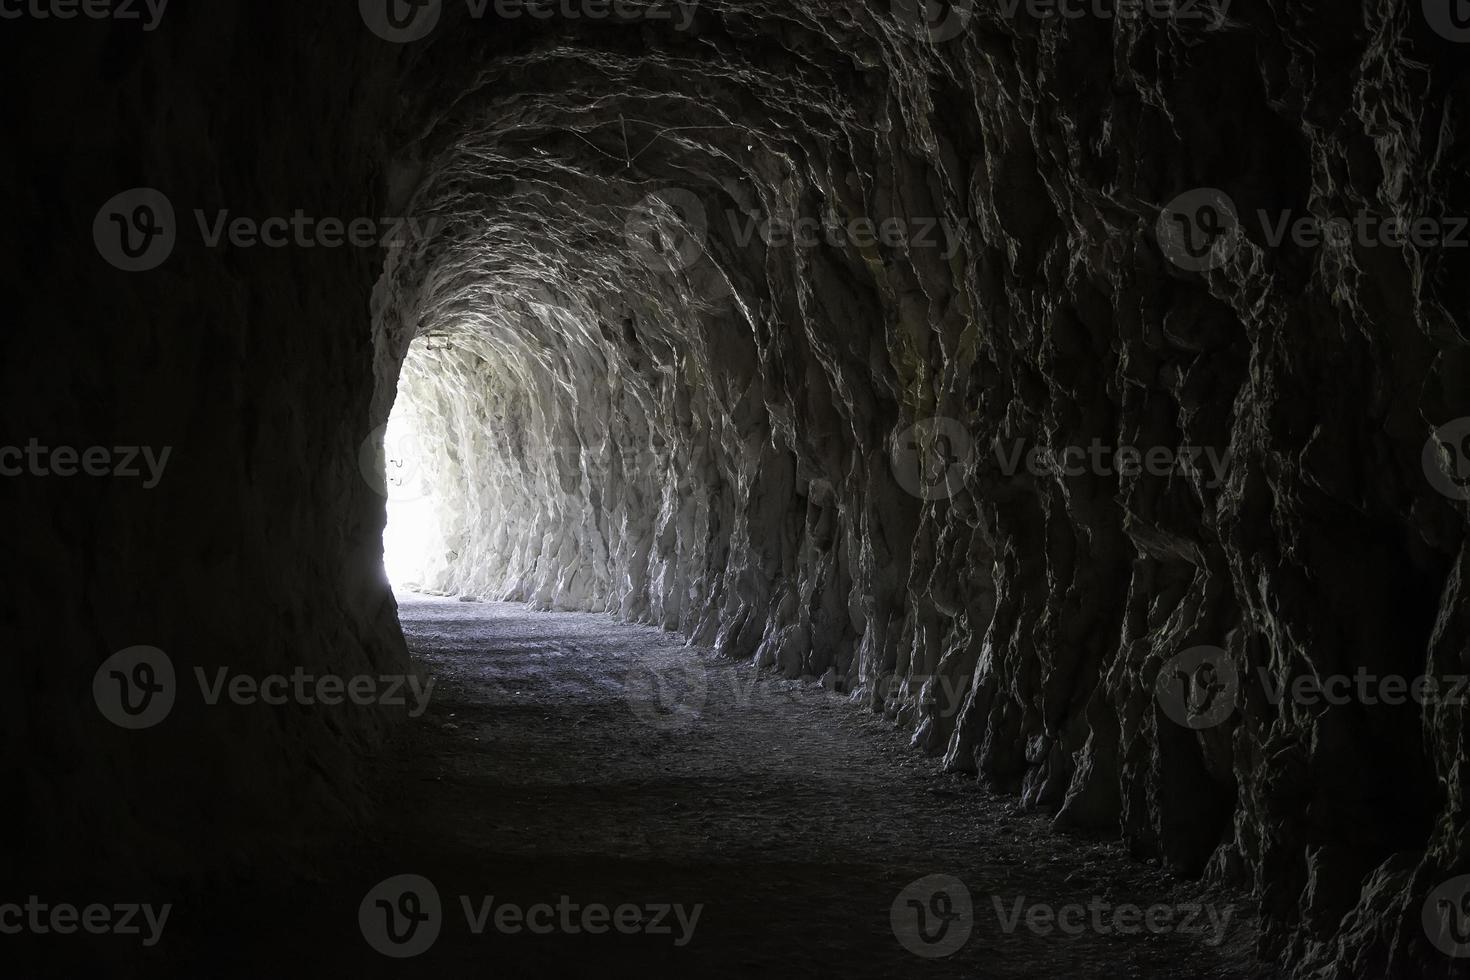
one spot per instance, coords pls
(793, 817)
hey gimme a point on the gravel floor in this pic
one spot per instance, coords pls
(568, 755)
(566, 762)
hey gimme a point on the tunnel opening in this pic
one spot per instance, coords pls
(563, 384)
(416, 461)
(919, 365)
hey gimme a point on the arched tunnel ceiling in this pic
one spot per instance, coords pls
(645, 403)
(648, 401)
(713, 438)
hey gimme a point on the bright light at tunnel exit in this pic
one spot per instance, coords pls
(413, 541)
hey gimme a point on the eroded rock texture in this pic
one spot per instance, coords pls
(633, 403)
(707, 444)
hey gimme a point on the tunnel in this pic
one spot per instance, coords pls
(956, 488)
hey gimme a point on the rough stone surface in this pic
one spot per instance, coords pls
(702, 438)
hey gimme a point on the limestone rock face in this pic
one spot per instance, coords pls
(761, 321)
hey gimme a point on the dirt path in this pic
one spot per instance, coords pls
(714, 823)
(546, 767)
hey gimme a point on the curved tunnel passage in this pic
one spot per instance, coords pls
(975, 370)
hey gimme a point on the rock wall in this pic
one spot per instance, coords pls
(732, 323)
(257, 549)
(655, 405)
